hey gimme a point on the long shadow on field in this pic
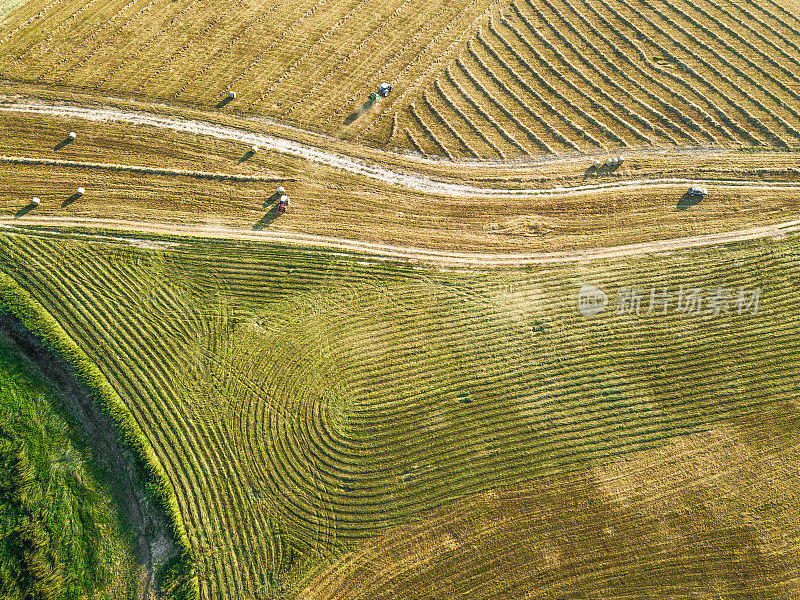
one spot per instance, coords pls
(70, 200)
(271, 200)
(687, 201)
(364, 108)
(603, 169)
(248, 155)
(66, 141)
(271, 215)
(24, 210)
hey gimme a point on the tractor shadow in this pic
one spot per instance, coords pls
(364, 108)
(603, 169)
(24, 210)
(70, 200)
(271, 200)
(687, 201)
(223, 102)
(272, 213)
(65, 142)
(247, 156)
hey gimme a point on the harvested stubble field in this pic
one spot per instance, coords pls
(473, 78)
(302, 402)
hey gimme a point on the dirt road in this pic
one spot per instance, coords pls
(375, 171)
(371, 170)
(421, 255)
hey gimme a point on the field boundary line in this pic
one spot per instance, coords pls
(22, 160)
(14, 299)
(100, 228)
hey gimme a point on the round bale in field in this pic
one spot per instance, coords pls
(232, 95)
(597, 164)
(80, 191)
(36, 201)
(281, 191)
(620, 159)
(615, 160)
(72, 135)
(254, 149)
(609, 162)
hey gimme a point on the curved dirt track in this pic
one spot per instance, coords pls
(367, 169)
(378, 172)
(403, 253)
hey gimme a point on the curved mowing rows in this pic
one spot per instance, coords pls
(301, 402)
(559, 76)
(662, 530)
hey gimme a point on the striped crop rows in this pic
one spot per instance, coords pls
(539, 77)
(553, 76)
(300, 402)
(311, 62)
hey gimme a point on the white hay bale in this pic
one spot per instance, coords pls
(72, 135)
(254, 149)
(597, 164)
(609, 162)
(231, 95)
(36, 201)
(615, 160)
(81, 191)
(620, 159)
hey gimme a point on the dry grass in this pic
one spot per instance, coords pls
(307, 62)
(531, 76)
(301, 403)
(554, 76)
(712, 512)
(330, 202)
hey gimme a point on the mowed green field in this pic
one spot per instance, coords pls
(302, 402)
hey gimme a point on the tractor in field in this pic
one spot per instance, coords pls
(382, 92)
(697, 193)
(283, 204)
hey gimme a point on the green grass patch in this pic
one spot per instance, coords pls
(61, 532)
